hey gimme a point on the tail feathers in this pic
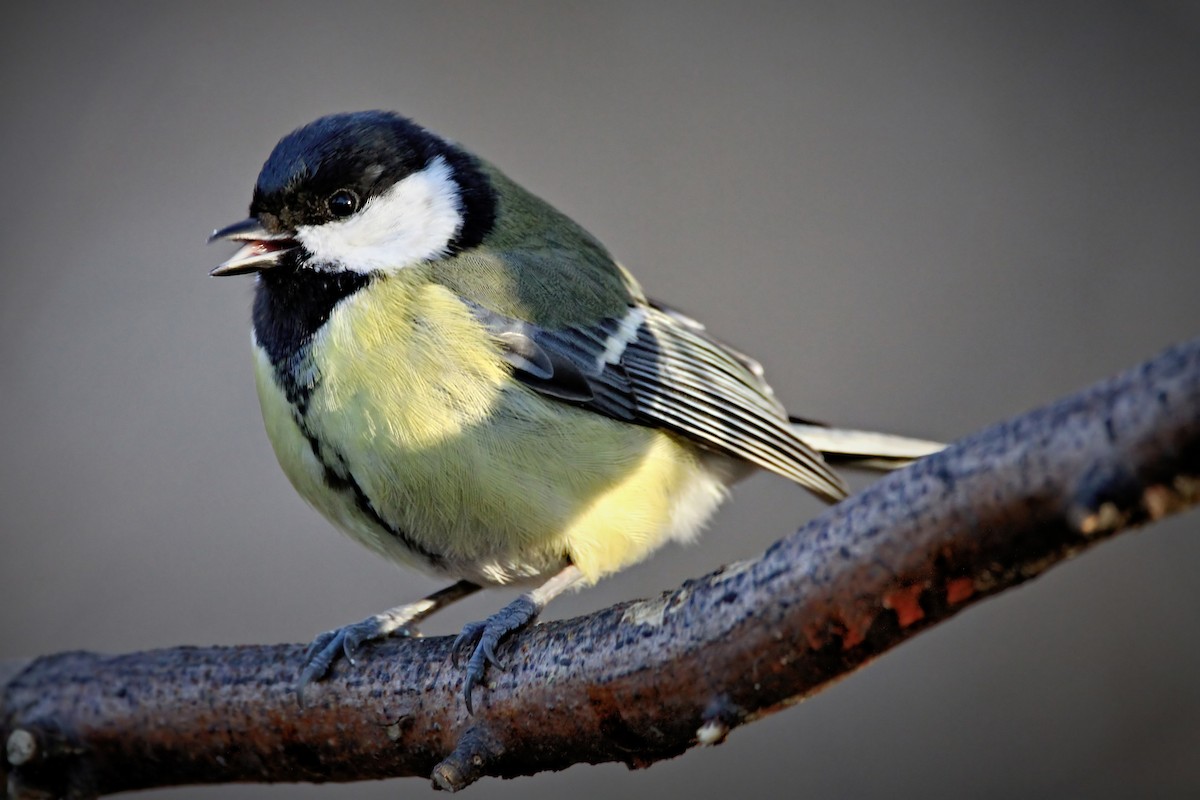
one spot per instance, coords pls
(864, 449)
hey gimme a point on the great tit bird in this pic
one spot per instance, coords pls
(465, 380)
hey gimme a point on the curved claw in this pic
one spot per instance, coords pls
(469, 684)
(480, 659)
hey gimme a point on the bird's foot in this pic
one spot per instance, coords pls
(348, 640)
(481, 638)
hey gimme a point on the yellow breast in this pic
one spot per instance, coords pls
(417, 442)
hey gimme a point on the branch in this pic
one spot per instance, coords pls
(640, 681)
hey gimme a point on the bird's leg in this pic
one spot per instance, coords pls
(400, 621)
(481, 638)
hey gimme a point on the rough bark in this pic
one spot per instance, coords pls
(646, 680)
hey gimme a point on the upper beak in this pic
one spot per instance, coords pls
(262, 250)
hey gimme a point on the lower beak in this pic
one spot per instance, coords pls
(261, 250)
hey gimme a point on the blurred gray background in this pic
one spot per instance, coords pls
(921, 217)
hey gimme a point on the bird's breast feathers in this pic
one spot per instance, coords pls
(413, 438)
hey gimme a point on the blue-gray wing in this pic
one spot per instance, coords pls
(657, 367)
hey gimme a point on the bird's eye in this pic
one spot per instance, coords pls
(342, 203)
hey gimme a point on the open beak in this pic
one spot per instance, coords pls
(261, 250)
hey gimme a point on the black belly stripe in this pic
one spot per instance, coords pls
(346, 483)
(290, 306)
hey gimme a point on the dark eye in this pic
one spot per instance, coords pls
(342, 203)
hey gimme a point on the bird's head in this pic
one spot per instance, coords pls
(364, 192)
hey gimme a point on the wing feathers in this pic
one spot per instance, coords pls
(656, 368)
(681, 375)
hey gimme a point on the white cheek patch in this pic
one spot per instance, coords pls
(413, 221)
